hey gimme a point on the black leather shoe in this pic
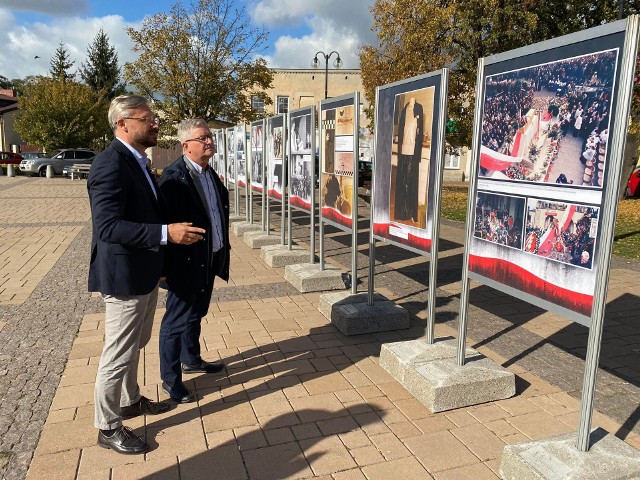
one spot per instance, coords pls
(178, 392)
(203, 367)
(144, 406)
(123, 440)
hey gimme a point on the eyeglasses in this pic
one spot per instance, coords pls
(149, 120)
(201, 139)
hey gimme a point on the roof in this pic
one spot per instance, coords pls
(8, 104)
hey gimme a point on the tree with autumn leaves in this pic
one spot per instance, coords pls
(200, 60)
(416, 37)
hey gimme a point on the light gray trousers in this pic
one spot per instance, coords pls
(127, 329)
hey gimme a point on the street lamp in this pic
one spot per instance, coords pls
(337, 64)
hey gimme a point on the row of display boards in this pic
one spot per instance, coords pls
(549, 134)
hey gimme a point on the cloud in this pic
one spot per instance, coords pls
(339, 25)
(21, 44)
(52, 7)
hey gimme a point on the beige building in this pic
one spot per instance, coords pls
(294, 89)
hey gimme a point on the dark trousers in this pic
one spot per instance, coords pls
(180, 333)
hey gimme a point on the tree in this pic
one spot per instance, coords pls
(60, 64)
(56, 113)
(200, 61)
(419, 37)
(101, 72)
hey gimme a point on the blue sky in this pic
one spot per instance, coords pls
(298, 28)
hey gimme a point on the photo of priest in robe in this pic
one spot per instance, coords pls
(411, 152)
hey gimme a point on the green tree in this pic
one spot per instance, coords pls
(101, 72)
(200, 60)
(61, 63)
(55, 114)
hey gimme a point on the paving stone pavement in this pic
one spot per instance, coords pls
(298, 399)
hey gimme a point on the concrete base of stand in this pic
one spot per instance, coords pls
(280, 255)
(557, 457)
(351, 314)
(431, 374)
(237, 218)
(240, 228)
(259, 239)
(308, 277)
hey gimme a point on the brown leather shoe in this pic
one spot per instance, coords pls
(123, 440)
(144, 406)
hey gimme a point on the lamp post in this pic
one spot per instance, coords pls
(337, 64)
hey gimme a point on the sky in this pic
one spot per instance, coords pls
(298, 29)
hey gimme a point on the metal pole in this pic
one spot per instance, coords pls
(285, 160)
(320, 219)
(288, 157)
(471, 205)
(610, 206)
(326, 76)
(372, 242)
(354, 209)
(435, 208)
(312, 220)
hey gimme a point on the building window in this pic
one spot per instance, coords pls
(452, 161)
(282, 104)
(257, 104)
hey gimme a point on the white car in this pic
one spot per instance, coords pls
(58, 159)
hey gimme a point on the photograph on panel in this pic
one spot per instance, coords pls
(277, 143)
(301, 181)
(301, 134)
(337, 192)
(231, 156)
(274, 167)
(549, 123)
(329, 140)
(410, 157)
(563, 232)
(499, 219)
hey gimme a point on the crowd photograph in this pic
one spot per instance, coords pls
(499, 219)
(562, 232)
(549, 123)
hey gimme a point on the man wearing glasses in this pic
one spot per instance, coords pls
(194, 193)
(126, 261)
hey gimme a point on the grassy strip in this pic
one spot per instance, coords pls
(627, 237)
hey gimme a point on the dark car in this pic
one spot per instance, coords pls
(7, 158)
(365, 170)
(633, 185)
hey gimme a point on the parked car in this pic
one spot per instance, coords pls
(633, 185)
(365, 169)
(10, 157)
(58, 159)
(33, 154)
(66, 171)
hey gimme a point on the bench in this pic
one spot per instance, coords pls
(80, 170)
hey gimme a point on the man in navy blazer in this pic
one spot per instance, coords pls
(126, 261)
(193, 191)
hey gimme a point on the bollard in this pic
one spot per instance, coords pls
(1, 172)
(50, 171)
(11, 172)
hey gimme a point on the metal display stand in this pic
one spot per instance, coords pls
(610, 48)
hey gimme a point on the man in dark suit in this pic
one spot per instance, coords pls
(193, 192)
(125, 266)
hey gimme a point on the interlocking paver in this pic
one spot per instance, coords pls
(295, 384)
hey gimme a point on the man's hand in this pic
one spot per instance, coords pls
(184, 233)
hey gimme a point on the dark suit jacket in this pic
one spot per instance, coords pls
(191, 269)
(126, 258)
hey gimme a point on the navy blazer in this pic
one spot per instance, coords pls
(192, 268)
(126, 258)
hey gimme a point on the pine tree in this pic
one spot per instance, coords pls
(60, 64)
(101, 72)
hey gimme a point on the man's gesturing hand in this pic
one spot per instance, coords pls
(184, 233)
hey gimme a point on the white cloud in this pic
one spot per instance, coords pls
(341, 25)
(22, 44)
